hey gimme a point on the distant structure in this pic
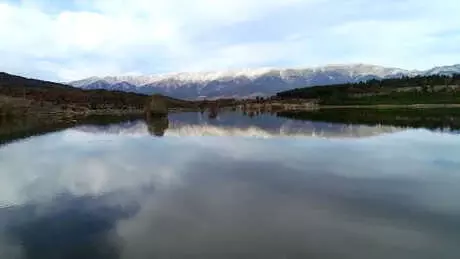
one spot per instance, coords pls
(156, 107)
(156, 111)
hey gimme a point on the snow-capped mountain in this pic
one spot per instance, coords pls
(444, 70)
(249, 82)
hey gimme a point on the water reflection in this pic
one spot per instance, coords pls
(113, 191)
(17, 129)
(93, 195)
(66, 227)
(229, 123)
(435, 119)
(158, 125)
(329, 123)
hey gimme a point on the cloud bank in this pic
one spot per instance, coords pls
(67, 40)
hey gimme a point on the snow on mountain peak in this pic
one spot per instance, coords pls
(249, 82)
(191, 77)
(198, 77)
(444, 70)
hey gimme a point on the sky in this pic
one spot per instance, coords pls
(64, 40)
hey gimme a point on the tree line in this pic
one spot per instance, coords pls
(404, 90)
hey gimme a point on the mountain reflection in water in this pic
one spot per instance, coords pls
(233, 124)
(113, 191)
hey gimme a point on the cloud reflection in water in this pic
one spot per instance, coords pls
(99, 195)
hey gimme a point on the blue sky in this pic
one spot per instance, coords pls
(73, 39)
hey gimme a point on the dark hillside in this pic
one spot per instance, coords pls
(37, 95)
(43, 92)
(9, 80)
(436, 89)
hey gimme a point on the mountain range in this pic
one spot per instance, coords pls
(251, 82)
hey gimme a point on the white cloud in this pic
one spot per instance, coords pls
(77, 39)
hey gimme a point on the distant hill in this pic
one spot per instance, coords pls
(428, 89)
(19, 95)
(18, 81)
(251, 82)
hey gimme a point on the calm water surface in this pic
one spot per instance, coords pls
(231, 187)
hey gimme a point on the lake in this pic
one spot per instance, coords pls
(234, 186)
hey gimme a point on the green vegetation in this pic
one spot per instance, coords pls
(417, 118)
(434, 89)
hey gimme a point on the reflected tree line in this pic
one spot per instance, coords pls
(433, 119)
(155, 115)
(157, 121)
(158, 124)
(14, 129)
(446, 119)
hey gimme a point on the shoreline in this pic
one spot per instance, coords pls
(308, 107)
(390, 106)
(69, 116)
